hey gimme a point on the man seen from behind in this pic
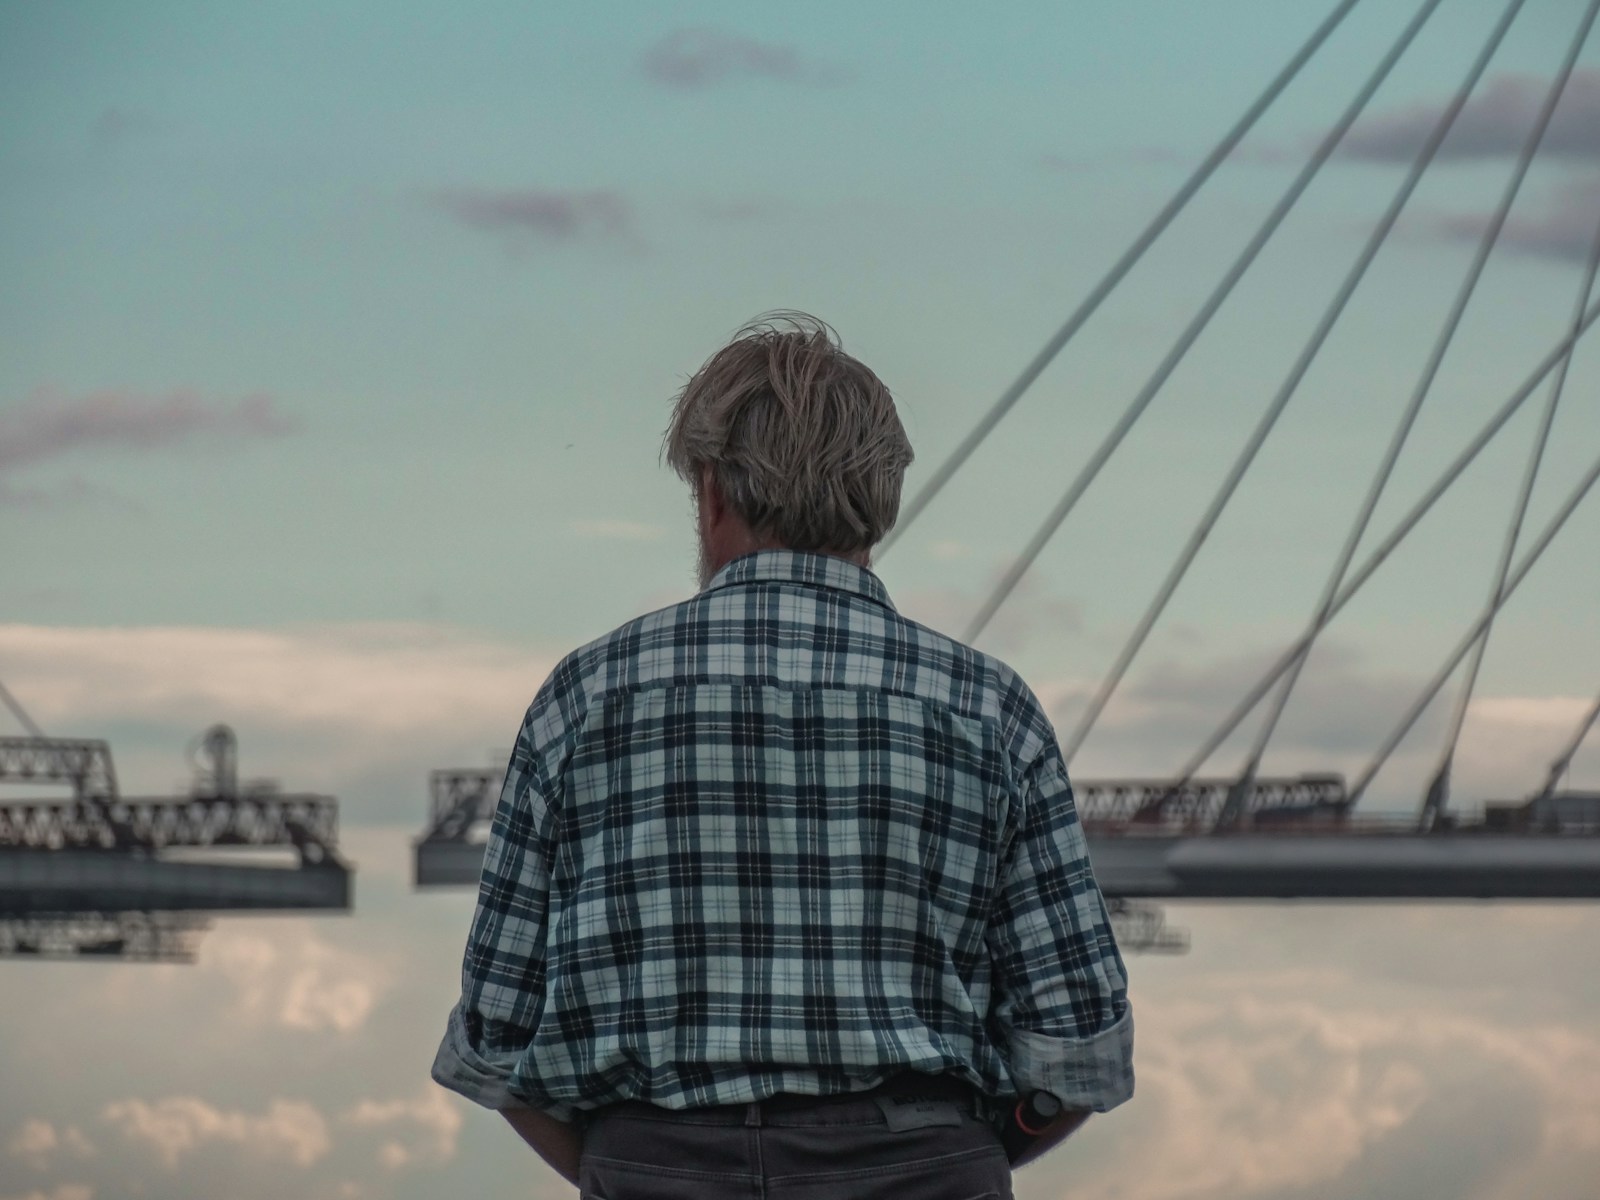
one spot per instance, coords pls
(786, 892)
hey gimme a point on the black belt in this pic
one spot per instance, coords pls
(907, 1085)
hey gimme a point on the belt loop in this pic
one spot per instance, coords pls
(752, 1115)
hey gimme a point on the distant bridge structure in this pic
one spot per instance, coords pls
(461, 803)
(102, 875)
(1151, 841)
(1239, 834)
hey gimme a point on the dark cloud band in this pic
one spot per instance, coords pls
(553, 214)
(690, 59)
(1493, 125)
(49, 425)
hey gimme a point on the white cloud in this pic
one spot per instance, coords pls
(178, 1126)
(358, 695)
(1343, 708)
(390, 701)
(294, 979)
(34, 1143)
(1287, 1104)
(1316, 1083)
(430, 1123)
(379, 678)
(37, 1142)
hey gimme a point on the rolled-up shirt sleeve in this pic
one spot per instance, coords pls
(503, 969)
(1061, 991)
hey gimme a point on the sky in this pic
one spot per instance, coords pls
(338, 340)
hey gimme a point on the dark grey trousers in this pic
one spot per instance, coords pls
(863, 1149)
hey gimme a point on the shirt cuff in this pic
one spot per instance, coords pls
(483, 1079)
(1093, 1073)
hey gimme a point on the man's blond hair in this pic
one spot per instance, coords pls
(802, 440)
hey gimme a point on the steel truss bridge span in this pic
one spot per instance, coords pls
(132, 936)
(140, 878)
(1153, 840)
(82, 763)
(308, 823)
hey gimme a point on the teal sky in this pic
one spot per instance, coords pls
(336, 342)
(227, 202)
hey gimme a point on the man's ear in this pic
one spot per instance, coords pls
(712, 503)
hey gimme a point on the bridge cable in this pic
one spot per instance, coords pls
(1239, 797)
(1203, 317)
(21, 713)
(1438, 793)
(1290, 385)
(1114, 276)
(1563, 761)
(1398, 534)
(1476, 631)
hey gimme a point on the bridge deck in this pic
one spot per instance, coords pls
(1350, 866)
(64, 881)
(1367, 865)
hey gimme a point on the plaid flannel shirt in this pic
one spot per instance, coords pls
(779, 839)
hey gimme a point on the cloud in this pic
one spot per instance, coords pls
(557, 216)
(1345, 704)
(1342, 709)
(63, 1191)
(1290, 1105)
(362, 712)
(178, 1126)
(1493, 124)
(34, 1143)
(1565, 228)
(694, 58)
(1177, 702)
(1300, 1083)
(371, 708)
(37, 1143)
(297, 981)
(430, 1121)
(49, 425)
(350, 696)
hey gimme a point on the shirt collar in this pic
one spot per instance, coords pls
(804, 567)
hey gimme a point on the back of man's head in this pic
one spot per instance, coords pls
(802, 440)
